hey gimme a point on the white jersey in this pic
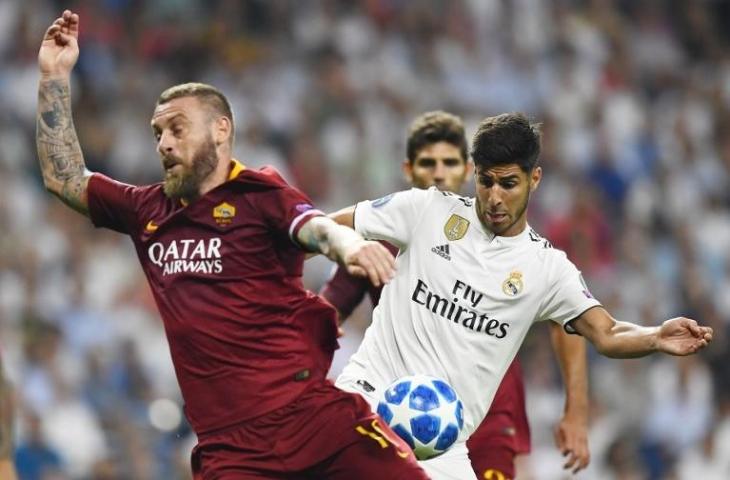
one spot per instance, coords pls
(462, 300)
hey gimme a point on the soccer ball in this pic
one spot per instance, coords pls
(425, 412)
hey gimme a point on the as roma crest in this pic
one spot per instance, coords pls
(456, 227)
(224, 213)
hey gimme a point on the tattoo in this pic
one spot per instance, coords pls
(310, 239)
(62, 162)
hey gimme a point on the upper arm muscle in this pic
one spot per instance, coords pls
(594, 324)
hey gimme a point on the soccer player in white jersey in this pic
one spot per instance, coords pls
(472, 277)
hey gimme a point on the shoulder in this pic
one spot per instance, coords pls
(451, 199)
(265, 178)
(544, 249)
(554, 262)
(100, 183)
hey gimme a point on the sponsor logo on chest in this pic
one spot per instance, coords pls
(187, 256)
(461, 306)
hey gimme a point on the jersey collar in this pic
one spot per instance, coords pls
(503, 240)
(236, 168)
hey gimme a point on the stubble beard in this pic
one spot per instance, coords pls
(499, 231)
(186, 185)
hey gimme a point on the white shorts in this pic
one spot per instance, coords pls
(454, 464)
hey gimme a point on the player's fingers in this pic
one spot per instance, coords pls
(387, 264)
(692, 326)
(73, 25)
(382, 262)
(371, 270)
(571, 459)
(52, 31)
(707, 333)
(356, 271)
(64, 38)
(583, 457)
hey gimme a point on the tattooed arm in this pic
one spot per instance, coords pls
(61, 160)
(345, 246)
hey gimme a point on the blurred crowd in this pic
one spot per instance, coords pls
(634, 101)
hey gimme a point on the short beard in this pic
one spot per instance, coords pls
(187, 185)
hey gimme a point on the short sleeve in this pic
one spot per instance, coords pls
(393, 217)
(112, 204)
(286, 209)
(568, 296)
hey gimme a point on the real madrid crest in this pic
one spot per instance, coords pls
(513, 285)
(224, 213)
(456, 227)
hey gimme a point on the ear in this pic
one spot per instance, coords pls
(407, 169)
(222, 130)
(535, 178)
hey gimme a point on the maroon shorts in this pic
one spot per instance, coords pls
(504, 432)
(324, 434)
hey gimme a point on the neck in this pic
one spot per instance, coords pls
(216, 178)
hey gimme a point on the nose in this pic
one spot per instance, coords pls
(494, 197)
(164, 144)
(439, 173)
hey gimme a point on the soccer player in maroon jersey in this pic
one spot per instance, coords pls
(7, 468)
(222, 247)
(437, 155)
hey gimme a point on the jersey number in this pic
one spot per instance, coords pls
(381, 437)
(492, 474)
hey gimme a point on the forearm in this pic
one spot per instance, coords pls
(323, 235)
(626, 340)
(59, 152)
(345, 217)
(570, 351)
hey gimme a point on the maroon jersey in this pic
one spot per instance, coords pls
(246, 338)
(345, 292)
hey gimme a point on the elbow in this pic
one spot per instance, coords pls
(605, 347)
(52, 185)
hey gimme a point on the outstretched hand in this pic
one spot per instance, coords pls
(60, 47)
(682, 336)
(370, 259)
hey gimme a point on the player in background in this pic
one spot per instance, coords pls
(7, 467)
(471, 279)
(437, 155)
(223, 247)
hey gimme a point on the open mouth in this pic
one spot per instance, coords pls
(496, 217)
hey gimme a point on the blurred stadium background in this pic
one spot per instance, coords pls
(634, 97)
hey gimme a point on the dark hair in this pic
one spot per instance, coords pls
(434, 127)
(207, 94)
(504, 139)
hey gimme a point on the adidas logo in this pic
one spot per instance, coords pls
(442, 251)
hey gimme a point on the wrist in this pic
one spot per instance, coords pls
(55, 77)
(654, 343)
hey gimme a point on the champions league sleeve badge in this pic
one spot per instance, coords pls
(382, 200)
